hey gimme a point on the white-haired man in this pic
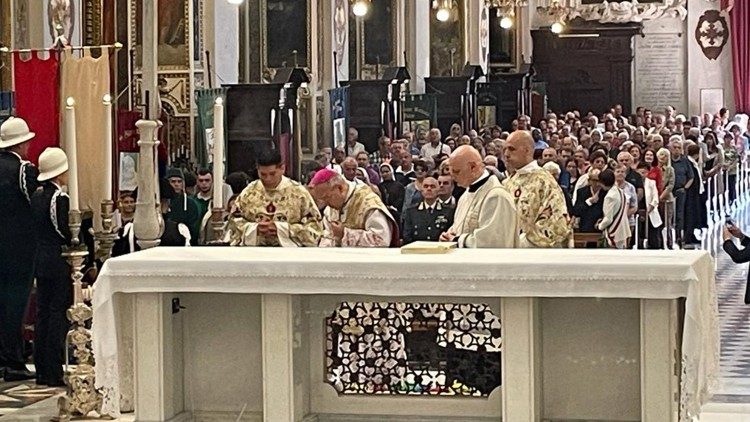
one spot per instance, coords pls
(354, 214)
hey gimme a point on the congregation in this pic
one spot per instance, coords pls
(638, 181)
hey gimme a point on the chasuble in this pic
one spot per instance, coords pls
(542, 214)
(290, 206)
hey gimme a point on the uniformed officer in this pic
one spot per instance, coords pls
(18, 180)
(49, 210)
(429, 218)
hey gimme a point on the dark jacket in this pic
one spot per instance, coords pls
(170, 237)
(740, 257)
(588, 214)
(49, 211)
(420, 223)
(17, 184)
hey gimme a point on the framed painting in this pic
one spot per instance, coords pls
(173, 33)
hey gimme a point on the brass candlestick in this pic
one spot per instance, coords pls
(105, 239)
(81, 397)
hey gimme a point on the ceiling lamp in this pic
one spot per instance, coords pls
(557, 27)
(360, 7)
(235, 2)
(443, 9)
(506, 10)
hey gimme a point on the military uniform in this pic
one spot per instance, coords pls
(17, 183)
(49, 210)
(424, 222)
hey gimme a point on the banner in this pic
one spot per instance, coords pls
(339, 115)
(419, 112)
(36, 83)
(6, 105)
(205, 99)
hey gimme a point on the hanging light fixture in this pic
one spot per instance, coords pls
(444, 9)
(557, 27)
(360, 7)
(235, 2)
(556, 10)
(506, 10)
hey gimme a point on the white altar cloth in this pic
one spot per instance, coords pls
(386, 272)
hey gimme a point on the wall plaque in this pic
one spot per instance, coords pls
(660, 72)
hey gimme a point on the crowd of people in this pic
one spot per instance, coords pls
(638, 180)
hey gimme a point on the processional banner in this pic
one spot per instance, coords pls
(36, 81)
(419, 112)
(204, 139)
(339, 114)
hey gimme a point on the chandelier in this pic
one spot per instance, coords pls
(557, 11)
(506, 10)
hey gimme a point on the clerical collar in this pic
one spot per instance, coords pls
(528, 168)
(480, 182)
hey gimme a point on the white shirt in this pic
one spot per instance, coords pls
(428, 151)
(356, 149)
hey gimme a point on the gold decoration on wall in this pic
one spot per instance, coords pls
(92, 22)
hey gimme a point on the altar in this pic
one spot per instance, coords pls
(272, 334)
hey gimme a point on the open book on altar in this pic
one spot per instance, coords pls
(426, 247)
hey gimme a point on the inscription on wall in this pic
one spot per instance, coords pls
(660, 72)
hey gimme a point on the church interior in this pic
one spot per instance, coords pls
(505, 210)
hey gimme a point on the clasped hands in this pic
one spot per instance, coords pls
(267, 228)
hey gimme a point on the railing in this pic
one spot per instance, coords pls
(719, 207)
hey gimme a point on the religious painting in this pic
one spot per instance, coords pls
(502, 42)
(447, 43)
(286, 33)
(372, 45)
(339, 30)
(712, 33)
(61, 19)
(172, 35)
(486, 116)
(128, 179)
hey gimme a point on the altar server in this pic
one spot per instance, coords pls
(274, 210)
(542, 214)
(49, 210)
(354, 216)
(485, 214)
(18, 181)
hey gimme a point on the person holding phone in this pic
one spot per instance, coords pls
(739, 256)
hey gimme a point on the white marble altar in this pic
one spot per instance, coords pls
(586, 334)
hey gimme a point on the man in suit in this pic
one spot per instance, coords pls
(428, 219)
(739, 256)
(49, 211)
(17, 183)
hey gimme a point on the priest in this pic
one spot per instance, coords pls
(542, 213)
(274, 210)
(354, 216)
(485, 214)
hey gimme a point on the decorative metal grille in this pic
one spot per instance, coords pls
(413, 348)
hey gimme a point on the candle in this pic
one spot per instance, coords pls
(70, 150)
(218, 155)
(108, 143)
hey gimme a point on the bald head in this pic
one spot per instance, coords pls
(349, 168)
(519, 149)
(466, 165)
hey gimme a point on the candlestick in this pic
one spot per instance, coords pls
(108, 142)
(218, 154)
(70, 150)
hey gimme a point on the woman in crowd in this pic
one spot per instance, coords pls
(666, 198)
(636, 152)
(572, 169)
(630, 194)
(654, 238)
(731, 159)
(413, 192)
(365, 178)
(598, 161)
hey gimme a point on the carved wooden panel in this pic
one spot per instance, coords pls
(589, 73)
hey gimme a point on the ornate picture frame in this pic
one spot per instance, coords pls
(267, 71)
(171, 32)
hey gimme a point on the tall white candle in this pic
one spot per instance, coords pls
(108, 142)
(218, 155)
(70, 150)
